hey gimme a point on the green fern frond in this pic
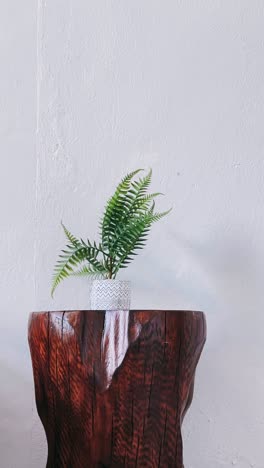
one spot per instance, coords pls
(128, 206)
(138, 196)
(89, 271)
(65, 265)
(134, 236)
(75, 242)
(77, 252)
(115, 208)
(158, 216)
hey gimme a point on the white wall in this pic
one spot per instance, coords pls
(17, 212)
(176, 86)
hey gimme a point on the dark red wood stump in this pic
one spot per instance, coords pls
(112, 388)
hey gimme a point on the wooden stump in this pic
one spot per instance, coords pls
(112, 388)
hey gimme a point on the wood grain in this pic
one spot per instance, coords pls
(112, 390)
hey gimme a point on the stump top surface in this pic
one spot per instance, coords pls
(181, 311)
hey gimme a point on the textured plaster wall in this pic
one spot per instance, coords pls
(17, 236)
(89, 91)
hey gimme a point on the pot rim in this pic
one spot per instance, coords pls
(110, 280)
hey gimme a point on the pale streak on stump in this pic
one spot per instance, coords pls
(124, 414)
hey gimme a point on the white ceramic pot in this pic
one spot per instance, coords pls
(110, 294)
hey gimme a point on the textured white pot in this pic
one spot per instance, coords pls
(110, 294)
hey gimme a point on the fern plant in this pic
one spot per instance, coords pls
(124, 229)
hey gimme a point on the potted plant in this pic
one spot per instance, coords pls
(118, 381)
(124, 228)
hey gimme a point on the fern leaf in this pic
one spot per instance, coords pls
(89, 271)
(74, 256)
(75, 242)
(115, 208)
(65, 265)
(157, 216)
(134, 236)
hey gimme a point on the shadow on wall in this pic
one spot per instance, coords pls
(16, 418)
(221, 275)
